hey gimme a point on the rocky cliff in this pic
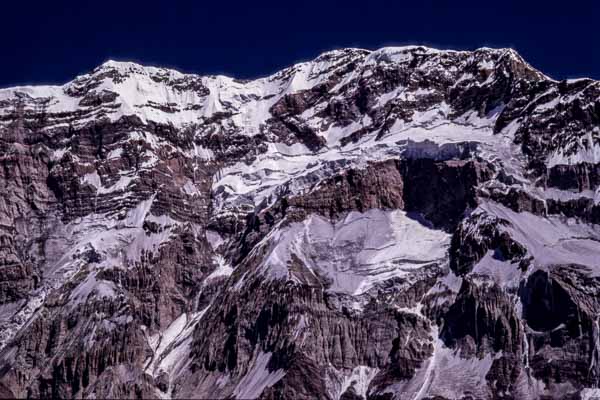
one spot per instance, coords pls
(405, 223)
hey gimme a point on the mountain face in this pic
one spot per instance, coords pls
(405, 223)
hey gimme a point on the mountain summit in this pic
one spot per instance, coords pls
(404, 223)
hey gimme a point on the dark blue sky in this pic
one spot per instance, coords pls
(53, 41)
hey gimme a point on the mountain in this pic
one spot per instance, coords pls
(405, 223)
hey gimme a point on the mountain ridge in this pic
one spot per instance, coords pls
(124, 62)
(405, 222)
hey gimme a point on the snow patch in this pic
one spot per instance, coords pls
(590, 394)
(171, 348)
(358, 379)
(356, 253)
(258, 378)
(551, 240)
(223, 269)
(446, 374)
(92, 286)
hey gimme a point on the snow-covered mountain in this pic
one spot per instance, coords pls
(405, 223)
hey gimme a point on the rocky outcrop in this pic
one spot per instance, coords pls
(583, 208)
(379, 185)
(579, 177)
(442, 191)
(563, 322)
(483, 321)
(478, 234)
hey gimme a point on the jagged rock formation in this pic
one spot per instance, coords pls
(405, 223)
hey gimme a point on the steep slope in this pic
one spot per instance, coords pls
(390, 224)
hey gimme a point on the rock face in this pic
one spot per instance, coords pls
(405, 223)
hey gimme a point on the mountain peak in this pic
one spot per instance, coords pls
(119, 66)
